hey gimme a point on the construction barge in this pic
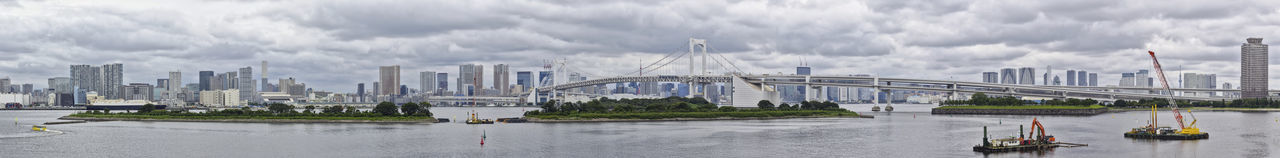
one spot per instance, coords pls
(1041, 142)
(1153, 131)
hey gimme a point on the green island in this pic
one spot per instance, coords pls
(979, 103)
(384, 112)
(677, 109)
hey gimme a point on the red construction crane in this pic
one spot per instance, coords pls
(1172, 104)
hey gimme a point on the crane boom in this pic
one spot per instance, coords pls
(1165, 83)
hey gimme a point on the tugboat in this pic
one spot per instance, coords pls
(1039, 142)
(1153, 131)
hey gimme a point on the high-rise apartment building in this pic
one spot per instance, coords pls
(1142, 79)
(1083, 76)
(390, 79)
(1071, 78)
(1093, 79)
(85, 78)
(1027, 76)
(1127, 79)
(1253, 69)
(470, 75)
(112, 81)
(990, 77)
(247, 86)
(1008, 76)
(501, 78)
(428, 81)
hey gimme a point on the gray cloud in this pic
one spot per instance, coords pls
(314, 41)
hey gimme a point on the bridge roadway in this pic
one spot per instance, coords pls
(880, 83)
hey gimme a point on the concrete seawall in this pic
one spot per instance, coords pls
(1020, 111)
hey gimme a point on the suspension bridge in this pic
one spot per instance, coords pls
(742, 89)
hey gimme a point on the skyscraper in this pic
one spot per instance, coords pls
(1071, 78)
(4, 85)
(501, 78)
(1008, 76)
(390, 79)
(1127, 79)
(175, 84)
(524, 79)
(470, 75)
(265, 85)
(990, 77)
(112, 81)
(248, 90)
(1141, 79)
(442, 85)
(85, 77)
(428, 81)
(1253, 69)
(1027, 76)
(1093, 79)
(360, 91)
(1083, 76)
(206, 80)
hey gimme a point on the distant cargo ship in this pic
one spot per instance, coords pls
(120, 105)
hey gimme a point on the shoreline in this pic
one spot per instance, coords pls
(95, 119)
(1199, 109)
(607, 120)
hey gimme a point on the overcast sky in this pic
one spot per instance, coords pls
(332, 45)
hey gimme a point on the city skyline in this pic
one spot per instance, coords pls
(903, 47)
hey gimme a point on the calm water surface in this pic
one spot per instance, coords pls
(908, 132)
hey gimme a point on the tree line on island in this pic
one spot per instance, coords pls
(383, 109)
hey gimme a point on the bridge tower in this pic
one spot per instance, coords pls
(693, 80)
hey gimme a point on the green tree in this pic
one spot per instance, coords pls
(682, 106)
(550, 107)
(707, 107)
(425, 109)
(309, 109)
(784, 106)
(728, 109)
(386, 109)
(280, 108)
(624, 108)
(353, 110)
(146, 108)
(409, 108)
(765, 105)
(806, 105)
(333, 109)
(978, 99)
